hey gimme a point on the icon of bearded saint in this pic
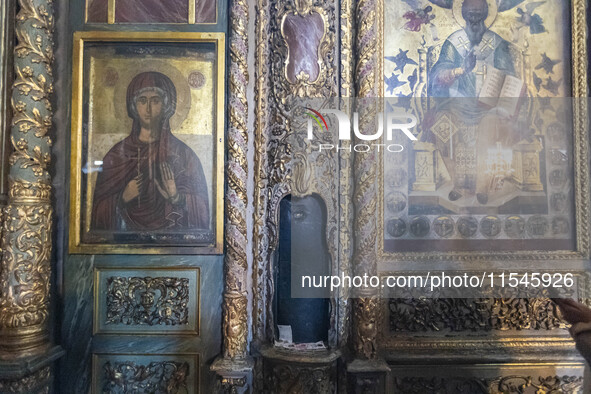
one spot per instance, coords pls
(464, 59)
(150, 180)
(466, 51)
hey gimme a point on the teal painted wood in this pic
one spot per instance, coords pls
(7, 14)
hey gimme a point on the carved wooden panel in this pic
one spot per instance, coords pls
(149, 300)
(300, 372)
(464, 314)
(488, 379)
(157, 374)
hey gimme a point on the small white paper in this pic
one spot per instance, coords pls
(285, 334)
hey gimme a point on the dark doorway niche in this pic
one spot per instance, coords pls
(302, 250)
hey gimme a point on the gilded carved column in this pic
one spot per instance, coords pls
(26, 240)
(365, 174)
(366, 372)
(26, 354)
(235, 366)
(235, 264)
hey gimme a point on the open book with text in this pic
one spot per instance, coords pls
(502, 90)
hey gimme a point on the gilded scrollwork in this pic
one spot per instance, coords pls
(506, 385)
(581, 118)
(274, 153)
(473, 315)
(364, 175)
(365, 330)
(147, 301)
(25, 289)
(347, 8)
(260, 239)
(235, 326)
(26, 232)
(236, 200)
(157, 377)
(231, 385)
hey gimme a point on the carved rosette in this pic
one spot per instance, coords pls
(26, 240)
(235, 263)
(365, 174)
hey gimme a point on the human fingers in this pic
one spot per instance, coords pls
(168, 170)
(164, 172)
(573, 311)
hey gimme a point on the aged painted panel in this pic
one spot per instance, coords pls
(147, 151)
(151, 11)
(494, 164)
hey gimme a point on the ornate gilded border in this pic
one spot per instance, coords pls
(276, 172)
(368, 82)
(515, 319)
(80, 38)
(260, 239)
(581, 171)
(346, 212)
(498, 377)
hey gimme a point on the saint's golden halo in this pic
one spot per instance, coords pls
(493, 11)
(183, 100)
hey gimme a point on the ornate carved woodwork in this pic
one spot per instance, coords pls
(26, 237)
(147, 301)
(289, 371)
(473, 315)
(161, 377)
(38, 382)
(235, 314)
(279, 24)
(506, 385)
(364, 175)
